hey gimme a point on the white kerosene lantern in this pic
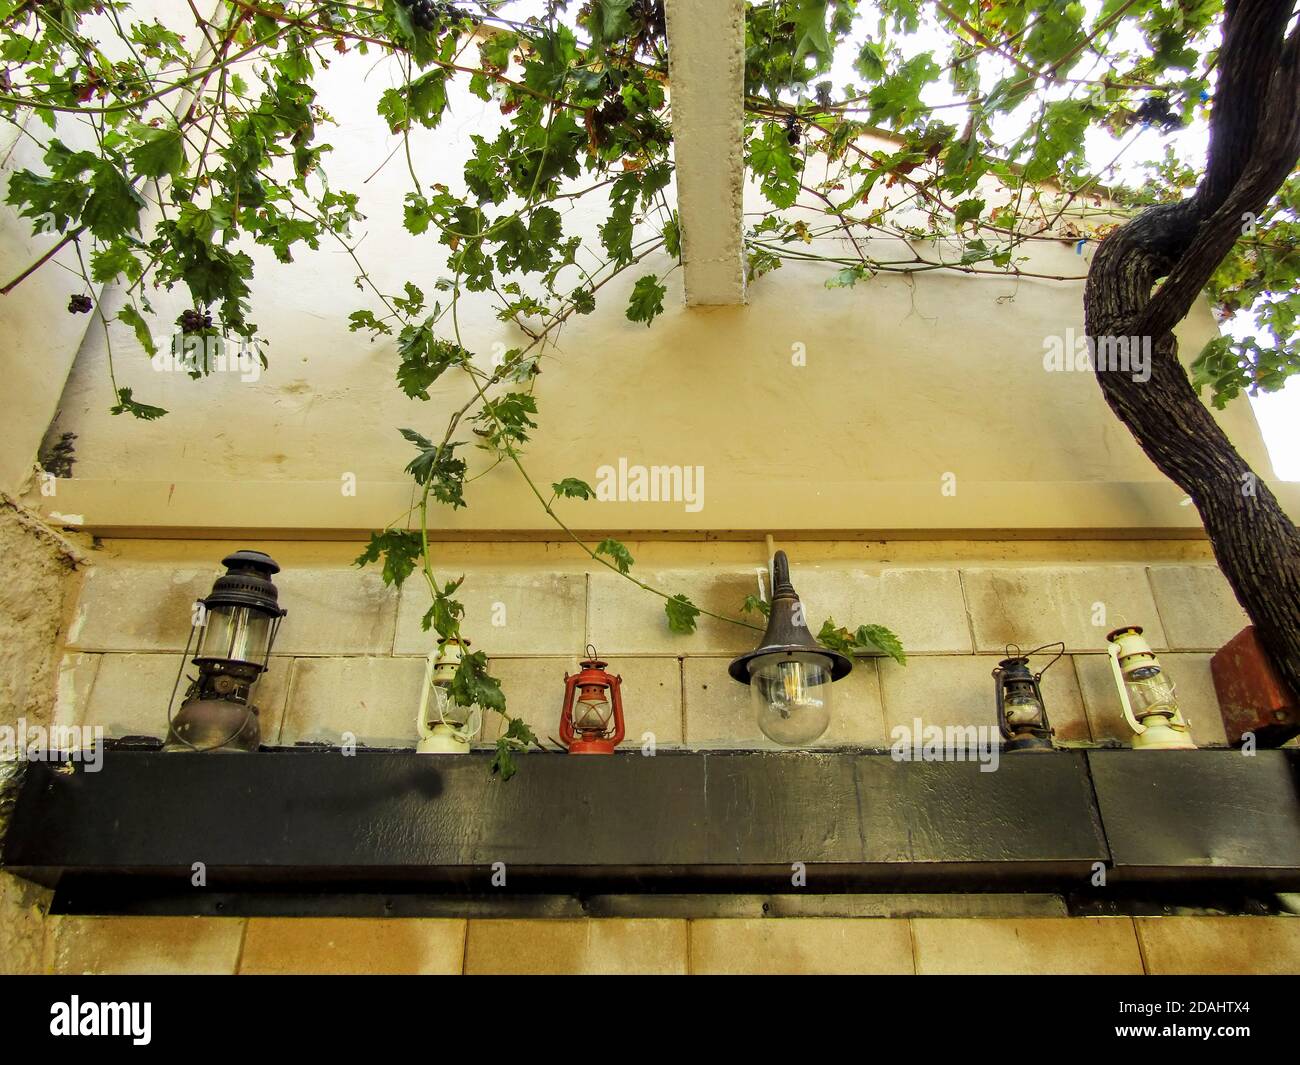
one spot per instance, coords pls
(445, 726)
(1146, 693)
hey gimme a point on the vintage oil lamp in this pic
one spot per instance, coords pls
(447, 727)
(592, 700)
(1022, 714)
(234, 629)
(789, 674)
(1146, 693)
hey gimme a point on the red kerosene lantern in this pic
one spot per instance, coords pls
(585, 724)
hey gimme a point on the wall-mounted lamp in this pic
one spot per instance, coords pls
(235, 630)
(1022, 714)
(1146, 693)
(789, 674)
(446, 727)
(591, 721)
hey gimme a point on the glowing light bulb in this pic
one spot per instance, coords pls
(790, 693)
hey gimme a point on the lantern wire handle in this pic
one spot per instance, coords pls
(591, 652)
(248, 707)
(185, 655)
(473, 722)
(1013, 651)
(473, 714)
(1040, 650)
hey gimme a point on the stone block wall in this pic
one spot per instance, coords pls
(789, 945)
(38, 587)
(350, 654)
(106, 643)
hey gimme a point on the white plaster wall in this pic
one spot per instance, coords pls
(39, 339)
(907, 378)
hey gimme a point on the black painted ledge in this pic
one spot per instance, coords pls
(311, 822)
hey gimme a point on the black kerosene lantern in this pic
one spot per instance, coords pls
(235, 630)
(1022, 715)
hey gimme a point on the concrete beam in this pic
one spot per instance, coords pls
(746, 509)
(706, 67)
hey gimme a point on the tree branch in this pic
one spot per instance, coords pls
(1255, 141)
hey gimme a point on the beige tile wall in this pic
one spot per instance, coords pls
(1035, 945)
(349, 655)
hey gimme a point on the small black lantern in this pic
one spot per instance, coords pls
(233, 633)
(789, 673)
(1022, 715)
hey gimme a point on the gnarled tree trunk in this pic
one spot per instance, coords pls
(1254, 145)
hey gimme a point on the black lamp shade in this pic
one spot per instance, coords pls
(787, 632)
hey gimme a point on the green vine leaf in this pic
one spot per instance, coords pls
(503, 761)
(835, 637)
(870, 62)
(866, 639)
(114, 206)
(583, 299)
(810, 32)
(616, 232)
(572, 488)
(128, 315)
(412, 300)
(495, 50)
(473, 685)
(771, 156)
(848, 277)
(617, 553)
(1232, 365)
(517, 737)
(424, 358)
(672, 233)
(897, 100)
(504, 422)
(422, 101)
(366, 320)
(647, 301)
(529, 248)
(160, 154)
(1062, 132)
(127, 405)
(610, 20)
(110, 261)
(53, 199)
(436, 468)
(877, 637)
(681, 614)
(967, 211)
(445, 613)
(417, 214)
(400, 550)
